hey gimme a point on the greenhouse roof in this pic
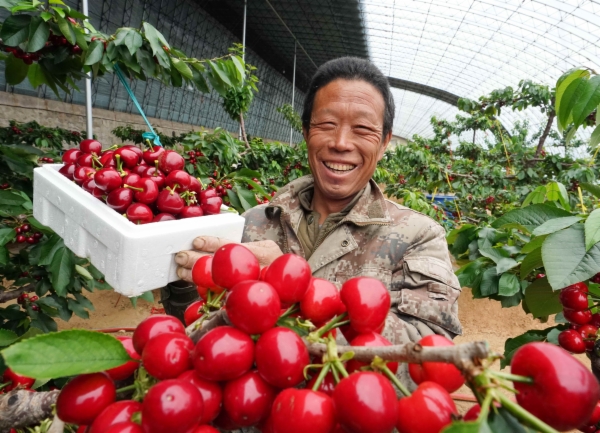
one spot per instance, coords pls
(433, 51)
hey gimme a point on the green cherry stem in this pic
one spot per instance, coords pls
(333, 358)
(321, 376)
(485, 407)
(334, 323)
(133, 188)
(523, 415)
(394, 379)
(126, 388)
(289, 311)
(511, 377)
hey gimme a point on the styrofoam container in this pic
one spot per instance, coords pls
(134, 258)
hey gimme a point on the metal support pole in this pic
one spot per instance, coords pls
(88, 87)
(243, 53)
(293, 92)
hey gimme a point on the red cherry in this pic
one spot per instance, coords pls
(290, 275)
(191, 212)
(365, 402)
(140, 169)
(595, 419)
(589, 334)
(153, 326)
(126, 370)
(172, 406)
(248, 399)
(281, 357)
(428, 410)
(371, 339)
(169, 202)
(577, 317)
(156, 176)
(578, 286)
(473, 413)
(206, 194)
(170, 161)
(89, 185)
(20, 239)
(118, 412)
(107, 159)
(18, 380)
(321, 301)
(572, 341)
(124, 427)
(195, 186)
(202, 276)
(150, 156)
(327, 385)
(212, 395)
(367, 301)
(81, 174)
(130, 179)
(205, 429)
(145, 191)
(212, 205)
(574, 299)
(120, 199)
(446, 375)
(139, 213)
(596, 278)
(163, 217)
(234, 263)
(193, 312)
(595, 320)
(167, 355)
(90, 146)
(107, 179)
(71, 156)
(85, 160)
(83, 398)
(253, 306)
(223, 353)
(178, 180)
(301, 411)
(563, 393)
(67, 170)
(129, 157)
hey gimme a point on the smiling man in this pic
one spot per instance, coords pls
(339, 220)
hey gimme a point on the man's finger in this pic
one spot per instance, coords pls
(184, 274)
(209, 244)
(186, 259)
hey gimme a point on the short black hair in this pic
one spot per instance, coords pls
(350, 68)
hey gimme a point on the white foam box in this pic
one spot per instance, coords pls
(133, 258)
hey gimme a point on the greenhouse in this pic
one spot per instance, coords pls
(286, 216)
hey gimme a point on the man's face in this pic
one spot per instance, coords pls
(345, 140)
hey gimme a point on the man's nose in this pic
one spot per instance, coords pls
(343, 140)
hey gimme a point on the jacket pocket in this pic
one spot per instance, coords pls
(381, 274)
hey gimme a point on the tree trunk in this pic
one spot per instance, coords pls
(474, 133)
(14, 294)
(20, 408)
(244, 136)
(540, 145)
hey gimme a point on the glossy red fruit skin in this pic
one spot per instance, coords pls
(139, 213)
(169, 202)
(124, 427)
(371, 339)
(577, 317)
(81, 174)
(205, 429)
(90, 146)
(574, 299)
(126, 370)
(578, 286)
(595, 320)
(129, 157)
(321, 301)
(152, 155)
(428, 410)
(212, 205)
(365, 402)
(107, 159)
(327, 384)
(149, 192)
(367, 302)
(178, 180)
(171, 406)
(168, 355)
(280, 357)
(108, 179)
(212, 395)
(234, 263)
(572, 341)
(589, 334)
(153, 326)
(290, 276)
(193, 312)
(163, 217)
(224, 353)
(85, 160)
(170, 161)
(446, 375)
(71, 155)
(202, 276)
(118, 412)
(130, 179)
(67, 171)
(473, 413)
(18, 380)
(253, 306)
(195, 186)
(120, 199)
(311, 411)
(191, 212)
(83, 398)
(248, 399)
(564, 391)
(140, 169)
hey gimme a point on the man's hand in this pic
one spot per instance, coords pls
(265, 252)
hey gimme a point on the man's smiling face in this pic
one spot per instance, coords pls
(345, 140)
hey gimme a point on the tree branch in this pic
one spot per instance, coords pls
(200, 327)
(243, 127)
(544, 135)
(21, 408)
(14, 294)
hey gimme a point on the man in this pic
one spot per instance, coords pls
(339, 220)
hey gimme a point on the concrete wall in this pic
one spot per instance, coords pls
(72, 116)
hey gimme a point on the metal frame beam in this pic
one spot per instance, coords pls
(423, 89)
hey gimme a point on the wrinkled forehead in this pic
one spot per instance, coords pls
(359, 96)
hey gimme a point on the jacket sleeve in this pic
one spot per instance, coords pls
(428, 287)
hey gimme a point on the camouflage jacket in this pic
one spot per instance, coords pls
(378, 238)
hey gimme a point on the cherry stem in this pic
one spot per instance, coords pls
(511, 377)
(150, 145)
(524, 415)
(133, 188)
(485, 407)
(126, 388)
(394, 379)
(289, 311)
(321, 376)
(332, 357)
(334, 323)
(218, 298)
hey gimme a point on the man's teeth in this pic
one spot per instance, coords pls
(339, 167)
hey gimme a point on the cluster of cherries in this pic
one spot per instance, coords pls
(24, 299)
(50, 45)
(5, 186)
(583, 331)
(146, 186)
(46, 159)
(193, 155)
(26, 234)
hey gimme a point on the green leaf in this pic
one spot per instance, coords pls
(505, 265)
(4, 256)
(16, 70)
(592, 230)
(538, 195)
(77, 308)
(246, 197)
(531, 216)
(489, 282)
(60, 304)
(541, 299)
(130, 38)
(183, 69)
(65, 353)
(49, 248)
(83, 272)
(199, 81)
(7, 337)
(588, 100)
(147, 296)
(555, 225)
(565, 258)
(556, 191)
(595, 137)
(570, 97)
(451, 237)
(534, 244)
(15, 30)
(6, 235)
(36, 75)
(468, 427)
(532, 261)
(470, 275)
(94, 52)
(512, 344)
(219, 72)
(591, 188)
(42, 321)
(146, 61)
(61, 269)
(157, 41)
(39, 31)
(508, 285)
(494, 254)
(66, 28)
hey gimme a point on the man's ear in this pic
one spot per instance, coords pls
(384, 145)
(305, 133)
